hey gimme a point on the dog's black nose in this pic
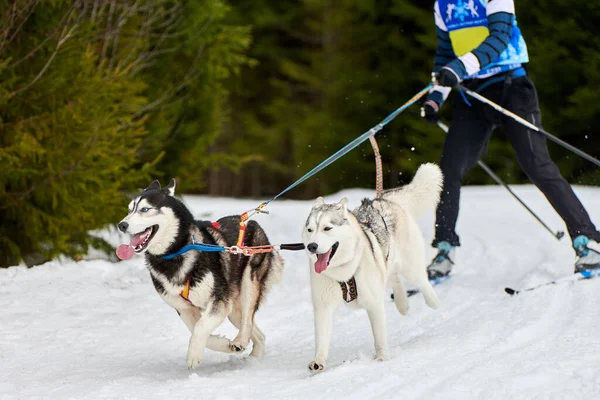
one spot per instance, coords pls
(123, 226)
(312, 247)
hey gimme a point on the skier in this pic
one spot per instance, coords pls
(485, 52)
(471, 7)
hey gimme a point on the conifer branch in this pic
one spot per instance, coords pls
(64, 37)
(18, 197)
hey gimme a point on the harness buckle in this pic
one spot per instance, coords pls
(240, 250)
(259, 209)
(234, 250)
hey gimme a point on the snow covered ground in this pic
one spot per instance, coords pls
(97, 329)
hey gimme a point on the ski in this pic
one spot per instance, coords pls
(578, 276)
(434, 282)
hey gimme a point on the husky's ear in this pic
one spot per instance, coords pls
(343, 205)
(318, 202)
(153, 186)
(170, 188)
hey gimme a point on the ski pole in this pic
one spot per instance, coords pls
(531, 126)
(578, 276)
(558, 235)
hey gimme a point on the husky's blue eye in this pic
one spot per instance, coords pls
(327, 228)
(145, 209)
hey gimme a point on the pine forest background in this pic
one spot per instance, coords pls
(240, 98)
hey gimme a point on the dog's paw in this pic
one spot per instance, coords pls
(258, 350)
(237, 346)
(401, 307)
(193, 361)
(382, 355)
(194, 356)
(315, 366)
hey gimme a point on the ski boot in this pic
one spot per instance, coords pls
(442, 263)
(588, 254)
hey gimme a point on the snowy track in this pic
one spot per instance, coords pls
(95, 329)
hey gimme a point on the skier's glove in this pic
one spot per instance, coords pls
(429, 111)
(448, 77)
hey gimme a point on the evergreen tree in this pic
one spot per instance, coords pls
(89, 92)
(189, 110)
(328, 72)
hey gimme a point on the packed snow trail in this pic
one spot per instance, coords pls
(98, 330)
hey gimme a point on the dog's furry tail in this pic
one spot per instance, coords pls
(422, 195)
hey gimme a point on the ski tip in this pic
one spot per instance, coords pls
(511, 291)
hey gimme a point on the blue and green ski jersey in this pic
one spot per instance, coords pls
(477, 39)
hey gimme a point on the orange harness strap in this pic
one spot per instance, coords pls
(249, 250)
(244, 217)
(185, 292)
(378, 169)
(239, 249)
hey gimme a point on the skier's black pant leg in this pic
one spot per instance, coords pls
(532, 154)
(465, 143)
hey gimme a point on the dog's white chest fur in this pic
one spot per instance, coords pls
(199, 294)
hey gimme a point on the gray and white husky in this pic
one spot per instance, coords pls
(352, 255)
(221, 285)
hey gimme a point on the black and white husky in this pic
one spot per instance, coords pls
(352, 255)
(204, 287)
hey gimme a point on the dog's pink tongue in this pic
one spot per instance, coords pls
(125, 252)
(137, 238)
(321, 263)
